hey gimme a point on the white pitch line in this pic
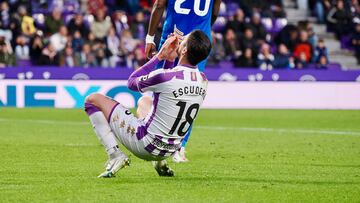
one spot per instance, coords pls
(217, 128)
(45, 121)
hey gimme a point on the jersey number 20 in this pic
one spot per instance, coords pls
(189, 118)
(186, 11)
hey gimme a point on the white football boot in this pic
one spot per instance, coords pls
(179, 156)
(117, 161)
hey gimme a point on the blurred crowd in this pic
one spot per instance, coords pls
(246, 42)
(93, 33)
(109, 33)
(341, 17)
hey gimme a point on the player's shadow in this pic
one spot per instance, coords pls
(270, 181)
(333, 165)
(231, 179)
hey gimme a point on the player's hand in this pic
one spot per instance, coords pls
(150, 50)
(168, 50)
(173, 46)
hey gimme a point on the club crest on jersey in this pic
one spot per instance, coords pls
(193, 76)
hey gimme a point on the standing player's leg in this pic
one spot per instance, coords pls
(98, 108)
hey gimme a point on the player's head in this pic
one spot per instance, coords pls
(195, 47)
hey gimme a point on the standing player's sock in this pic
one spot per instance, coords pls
(102, 129)
(186, 138)
(179, 156)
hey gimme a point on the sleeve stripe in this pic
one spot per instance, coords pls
(160, 78)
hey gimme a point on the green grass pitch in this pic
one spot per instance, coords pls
(235, 156)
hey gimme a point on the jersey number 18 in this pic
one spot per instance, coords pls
(186, 11)
(188, 118)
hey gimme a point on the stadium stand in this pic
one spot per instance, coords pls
(268, 35)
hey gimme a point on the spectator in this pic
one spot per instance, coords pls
(356, 42)
(339, 19)
(277, 8)
(101, 26)
(94, 6)
(22, 50)
(128, 45)
(7, 27)
(86, 58)
(322, 7)
(53, 22)
(301, 62)
(6, 57)
(282, 58)
(27, 22)
(36, 48)
(257, 27)
(237, 22)
(139, 58)
(101, 57)
(120, 22)
(59, 39)
(67, 58)
(113, 44)
(5, 16)
(312, 36)
(303, 47)
(320, 51)
(265, 59)
(91, 40)
(248, 41)
(49, 56)
(217, 52)
(288, 36)
(78, 24)
(68, 6)
(322, 63)
(77, 41)
(251, 6)
(132, 6)
(246, 60)
(231, 45)
(83, 6)
(139, 26)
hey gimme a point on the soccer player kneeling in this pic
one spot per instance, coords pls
(162, 121)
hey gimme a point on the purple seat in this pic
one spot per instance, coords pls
(67, 18)
(279, 24)
(23, 63)
(226, 64)
(268, 24)
(345, 42)
(39, 19)
(334, 66)
(219, 25)
(231, 8)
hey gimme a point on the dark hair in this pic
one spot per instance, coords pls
(198, 47)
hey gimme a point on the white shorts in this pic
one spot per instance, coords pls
(129, 131)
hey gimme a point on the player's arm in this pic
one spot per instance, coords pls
(139, 79)
(142, 74)
(215, 11)
(156, 15)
